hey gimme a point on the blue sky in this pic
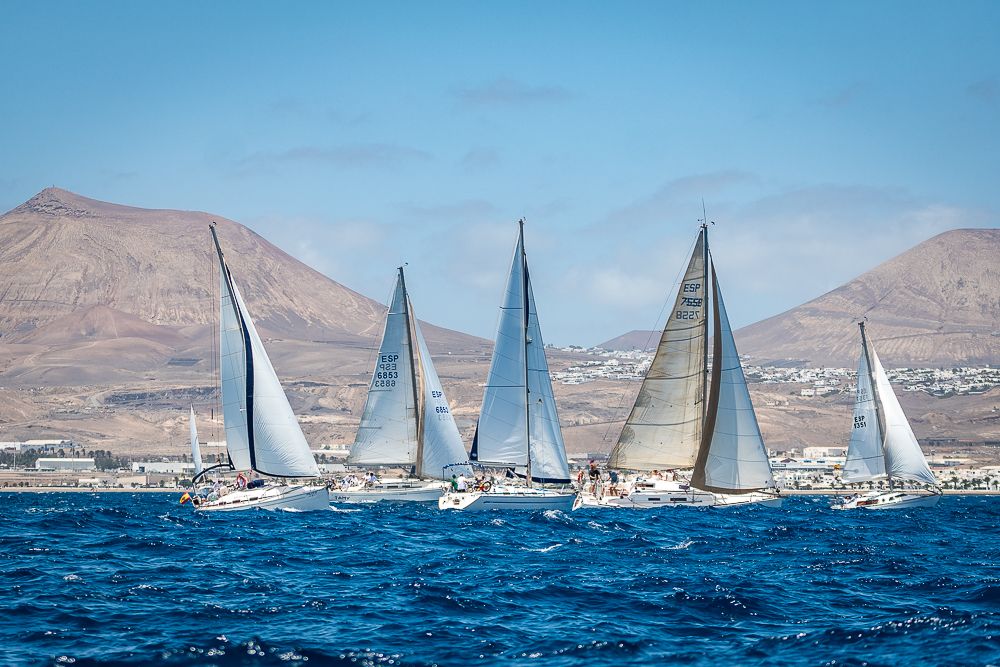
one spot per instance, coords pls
(824, 137)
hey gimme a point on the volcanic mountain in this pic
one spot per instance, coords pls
(88, 288)
(936, 304)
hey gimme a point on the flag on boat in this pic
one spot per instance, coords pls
(185, 498)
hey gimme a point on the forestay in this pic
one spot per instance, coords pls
(732, 457)
(865, 459)
(664, 429)
(903, 457)
(388, 431)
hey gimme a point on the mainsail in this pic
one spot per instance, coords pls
(665, 426)
(732, 457)
(262, 433)
(388, 431)
(518, 410)
(195, 447)
(865, 458)
(407, 420)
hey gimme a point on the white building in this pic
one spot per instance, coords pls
(164, 467)
(65, 464)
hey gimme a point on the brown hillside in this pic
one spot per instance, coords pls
(936, 304)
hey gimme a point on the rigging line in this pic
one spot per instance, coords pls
(660, 316)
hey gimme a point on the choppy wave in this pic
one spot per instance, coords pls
(131, 580)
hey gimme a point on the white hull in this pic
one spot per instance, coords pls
(754, 498)
(276, 497)
(508, 498)
(412, 493)
(878, 500)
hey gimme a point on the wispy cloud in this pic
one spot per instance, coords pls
(680, 194)
(344, 155)
(508, 92)
(480, 159)
(844, 96)
(459, 212)
(985, 90)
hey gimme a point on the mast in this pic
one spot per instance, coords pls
(247, 346)
(878, 412)
(419, 465)
(704, 385)
(524, 322)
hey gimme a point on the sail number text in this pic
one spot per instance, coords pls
(386, 373)
(859, 421)
(690, 302)
(440, 409)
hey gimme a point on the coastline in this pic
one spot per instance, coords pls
(784, 492)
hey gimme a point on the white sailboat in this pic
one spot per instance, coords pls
(407, 422)
(687, 416)
(518, 428)
(262, 434)
(882, 443)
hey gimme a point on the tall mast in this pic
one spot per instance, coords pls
(419, 467)
(875, 399)
(704, 384)
(524, 322)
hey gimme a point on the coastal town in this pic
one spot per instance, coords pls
(937, 382)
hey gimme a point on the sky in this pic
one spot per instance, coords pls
(824, 138)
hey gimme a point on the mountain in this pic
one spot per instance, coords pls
(637, 339)
(93, 291)
(936, 304)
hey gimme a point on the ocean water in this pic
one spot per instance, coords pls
(121, 579)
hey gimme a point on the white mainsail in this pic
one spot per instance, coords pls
(195, 447)
(442, 451)
(732, 457)
(664, 429)
(388, 431)
(262, 432)
(865, 458)
(903, 457)
(519, 383)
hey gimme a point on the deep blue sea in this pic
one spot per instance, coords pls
(121, 579)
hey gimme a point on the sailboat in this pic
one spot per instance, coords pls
(687, 415)
(262, 434)
(518, 429)
(882, 442)
(407, 422)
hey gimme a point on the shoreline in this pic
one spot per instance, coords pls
(784, 492)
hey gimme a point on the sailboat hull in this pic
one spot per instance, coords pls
(508, 498)
(275, 497)
(411, 492)
(890, 500)
(755, 498)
